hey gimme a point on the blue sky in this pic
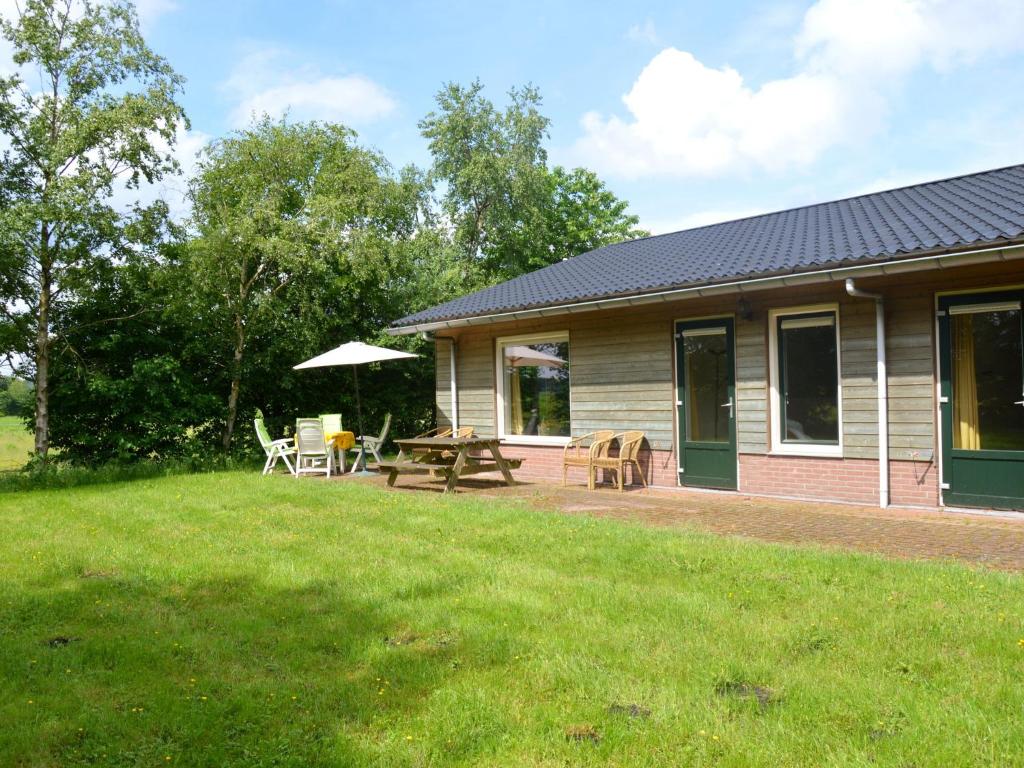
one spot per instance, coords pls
(693, 112)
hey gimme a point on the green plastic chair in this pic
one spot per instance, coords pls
(332, 423)
(275, 449)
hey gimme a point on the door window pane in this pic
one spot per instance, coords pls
(986, 378)
(536, 388)
(707, 386)
(809, 378)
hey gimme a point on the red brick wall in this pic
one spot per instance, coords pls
(855, 480)
(914, 483)
(852, 480)
(812, 478)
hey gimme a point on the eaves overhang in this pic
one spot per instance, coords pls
(944, 259)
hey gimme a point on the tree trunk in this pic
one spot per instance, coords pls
(42, 436)
(236, 384)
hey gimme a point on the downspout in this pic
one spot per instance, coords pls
(883, 390)
(455, 391)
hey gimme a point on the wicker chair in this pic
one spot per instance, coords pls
(629, 449)
(581, 452)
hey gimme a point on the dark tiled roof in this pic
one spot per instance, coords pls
(980, 208)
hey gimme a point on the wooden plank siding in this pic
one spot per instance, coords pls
(622, 379)
(752, 384)
(474, 373)
(622, 371)
(859, 377)
(443, 382)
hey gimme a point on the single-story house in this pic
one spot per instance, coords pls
(767, 355)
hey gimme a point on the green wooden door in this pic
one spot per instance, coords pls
(705, 403)
(981, 361)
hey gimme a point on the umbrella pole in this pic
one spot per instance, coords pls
(359, 421)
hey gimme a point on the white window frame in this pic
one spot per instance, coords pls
(499, 386)
(778, 445)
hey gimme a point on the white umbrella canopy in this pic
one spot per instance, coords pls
(523, 357)
(354, 353)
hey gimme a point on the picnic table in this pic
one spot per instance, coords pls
(452, 457)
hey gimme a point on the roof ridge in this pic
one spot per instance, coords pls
(846, 199)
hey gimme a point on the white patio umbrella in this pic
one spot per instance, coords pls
(519, 356)
(354, 353)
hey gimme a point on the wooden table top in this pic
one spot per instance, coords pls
(445, 442)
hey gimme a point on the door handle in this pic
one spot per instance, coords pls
(727, 405)
(1019, 402)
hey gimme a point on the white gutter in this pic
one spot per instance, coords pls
(901, 266)
(883, 390)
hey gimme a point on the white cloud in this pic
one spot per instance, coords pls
(263, 82)
(850, 56)
(691, 119)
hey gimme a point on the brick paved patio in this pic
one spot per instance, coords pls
(995, 541)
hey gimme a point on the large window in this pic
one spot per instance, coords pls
(805, 381)
(533, 388)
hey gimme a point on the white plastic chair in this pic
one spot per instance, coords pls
(371, 443)
(275, 449)
(332, 423)
(311, 449)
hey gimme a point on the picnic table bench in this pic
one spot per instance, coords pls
(452, 457)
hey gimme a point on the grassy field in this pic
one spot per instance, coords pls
(15, 443)
(228, 619)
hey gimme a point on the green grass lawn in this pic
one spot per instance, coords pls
(15, 443)
(228, 619)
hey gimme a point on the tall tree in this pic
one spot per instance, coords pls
(581, 214)
(493, 165)
(295, 223)
(509, 211)
(89, 107)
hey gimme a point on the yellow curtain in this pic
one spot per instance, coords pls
(965, 385)
(692, 415)
(515, 402)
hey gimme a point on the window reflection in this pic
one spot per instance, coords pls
(707, 386)
(987, 380)
(536, 388)
(809, 378)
